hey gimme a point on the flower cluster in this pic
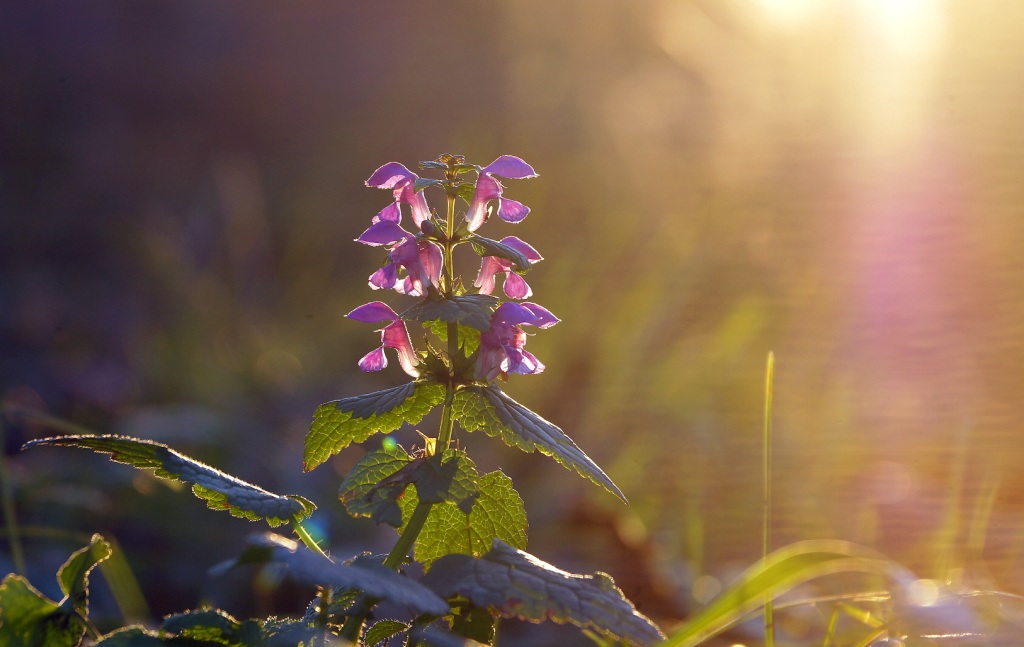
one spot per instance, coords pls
(419, 264)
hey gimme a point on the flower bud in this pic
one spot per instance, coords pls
(428, 228)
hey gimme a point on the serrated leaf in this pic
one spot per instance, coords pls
(375, 484)
(488, 247)
(466, 191)
(220, 491)
(469, 338)
(338, 424)
(517, 584)
(73, 576)
(489, 410)
(497, 513)
(383, 630)
(421, 183)
(208, 624)
(370, 577)
(29, 619)
(473, 310)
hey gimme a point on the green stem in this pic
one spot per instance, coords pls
(10, 518)
(307, 539)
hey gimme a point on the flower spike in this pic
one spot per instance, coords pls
(395, 335)
(488, 188)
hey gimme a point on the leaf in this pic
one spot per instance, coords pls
(489, 410)
(212, 625)
(220, 491)
(29, 619)
(779, 572)
(469, 338)
(435, 636)
(466, 191)
(517, 584)
(423, 182)
(73, 576)
(473, 310)
(383, 630)
(370, 577)
(375, 484)
(488, 247)
(338, 424)
(497, 513)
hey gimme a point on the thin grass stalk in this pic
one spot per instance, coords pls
(769, 616)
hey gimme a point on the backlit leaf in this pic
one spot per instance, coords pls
(383, 630)
(473, 310)
(518, 585)
(372, 578)
(29, 619)
(489, 410)
(73, 576)
(497, 513)
(338, 424)
(487, 247)
(220, 491)
(376, 483)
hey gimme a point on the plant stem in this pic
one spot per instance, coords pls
(769, 620)
(307, 539)
(10, 518)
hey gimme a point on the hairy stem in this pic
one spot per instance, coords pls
(307, 539)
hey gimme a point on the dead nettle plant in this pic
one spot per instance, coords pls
(466, 530)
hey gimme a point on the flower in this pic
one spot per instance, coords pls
(394, 335)
(488, 188)
(514, 285)
(401, 181)
(422, 262)
(501, 346)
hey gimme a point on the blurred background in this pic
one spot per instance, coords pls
(839, 182)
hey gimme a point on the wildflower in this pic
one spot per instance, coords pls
(514, 285)
(488, 188)
(421, 261)
(502, 346)
(395, 335)
(401, 181)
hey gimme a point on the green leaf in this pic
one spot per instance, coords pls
(211, 625)
(434, 635)
(376, 483)
(30, 619)
(473, 310)
(517, 584)
(370, 577)
(220, 491)
(441, 166)
(487, 247)
(466, 191)
(383, 630)
(423, 182)
(469, 338)
(497, 513)
(73, 576)
(338, 424)
(779, 572)
(489, 410)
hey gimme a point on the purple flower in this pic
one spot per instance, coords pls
(401, 181)
(488, 188)
(502, 346)
(421, 261)
(394, 335)
(514, 285)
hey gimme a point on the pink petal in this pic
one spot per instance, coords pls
(512, 211)
(523, 248)
(384, 278)
(373, 312)
(515, 287)
(416, 200)
(489, 266)
(396, 336)
(487, 188)
(430, 258)
(374, 360)
(544, 317)
(391, 175)
(382, 232)
(390, 213)
(511, 167)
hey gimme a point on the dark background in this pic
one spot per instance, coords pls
(180, 184)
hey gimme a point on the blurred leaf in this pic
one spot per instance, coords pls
(469, 338)
(779, 572)
(30, 619)
(434, 164)
(220, 491)
(377, 482)
(435, 636)
(383, 630)
(466, 191)
(517, 584)
(338, 424)
(473, 310)
(423, 182)
(370, 577)
(487, 247)
(489, 410)
(497, 513)
(212, 625)
(73, 576)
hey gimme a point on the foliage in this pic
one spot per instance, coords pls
(466, 529)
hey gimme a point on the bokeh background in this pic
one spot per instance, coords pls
(839, 182)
